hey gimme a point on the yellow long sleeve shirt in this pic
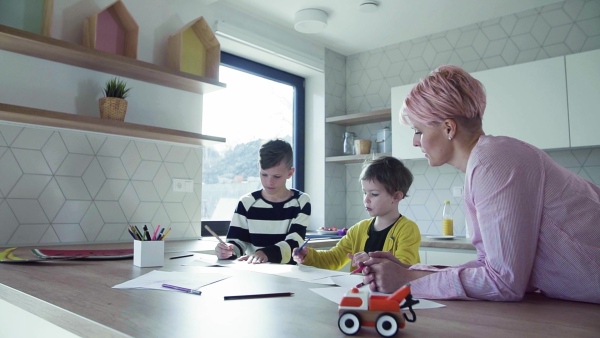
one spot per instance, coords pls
(403, 240)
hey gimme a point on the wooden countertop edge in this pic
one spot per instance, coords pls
(460, 243)
(67, 320)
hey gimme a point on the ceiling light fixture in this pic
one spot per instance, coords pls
(310, 21)
(368, 6)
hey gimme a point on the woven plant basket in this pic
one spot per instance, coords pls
(113, 108)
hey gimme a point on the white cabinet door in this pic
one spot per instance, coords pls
(402, 135)
(529, 102)
(450, 257)
(583, 83)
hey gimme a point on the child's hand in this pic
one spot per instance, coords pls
(257, 258)
(224, 251)
(300, 256)
(358, 258)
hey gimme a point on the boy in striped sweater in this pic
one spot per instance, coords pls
(269, 223)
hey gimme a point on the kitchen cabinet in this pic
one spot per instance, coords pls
(353, 120)
(402, 134)
(583, 85)
(449, 257)
(528, 101)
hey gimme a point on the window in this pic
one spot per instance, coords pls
(259, 103)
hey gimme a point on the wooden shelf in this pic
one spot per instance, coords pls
(53, 119)
(361, 118)
(19, 41)
(347, 159)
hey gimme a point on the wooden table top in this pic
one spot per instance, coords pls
(85, 289)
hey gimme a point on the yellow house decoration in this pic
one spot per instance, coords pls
(195, 50)
(112, 30)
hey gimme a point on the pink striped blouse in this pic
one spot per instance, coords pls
(535, 225)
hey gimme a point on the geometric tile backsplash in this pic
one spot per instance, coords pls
(362, 82)
(63, 186)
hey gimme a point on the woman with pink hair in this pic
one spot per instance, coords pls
(535, 225)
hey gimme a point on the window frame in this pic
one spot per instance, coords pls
(297, 82)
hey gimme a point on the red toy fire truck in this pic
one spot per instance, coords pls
(361, 308)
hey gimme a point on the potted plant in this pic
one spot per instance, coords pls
(113, 105)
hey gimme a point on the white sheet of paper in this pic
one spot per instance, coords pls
(207, 260)
(335, 295)
(155, 279)
(310, 273)
(302, 272)
(347, 281)
(322, 281)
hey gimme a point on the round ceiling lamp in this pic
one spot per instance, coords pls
(310, 21)
(368, 6)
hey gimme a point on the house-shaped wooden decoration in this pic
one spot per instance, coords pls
(112, 30)
(33, 16)
(195, 50)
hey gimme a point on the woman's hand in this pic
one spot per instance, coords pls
(257, 258)
(224, 251)
(300, 256)
(385, 273)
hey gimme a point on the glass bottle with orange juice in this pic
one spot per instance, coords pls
(447, 222)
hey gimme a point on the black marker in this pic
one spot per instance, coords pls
(190, 255)
(261, 295)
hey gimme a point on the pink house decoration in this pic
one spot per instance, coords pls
(112, 30)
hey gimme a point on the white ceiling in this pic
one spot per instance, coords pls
(350, 31)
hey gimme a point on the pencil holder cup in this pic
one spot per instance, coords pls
(148, 253)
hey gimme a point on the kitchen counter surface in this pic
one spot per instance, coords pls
(78, 297)
(461, 243)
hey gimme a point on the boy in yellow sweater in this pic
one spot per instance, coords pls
(385, 182)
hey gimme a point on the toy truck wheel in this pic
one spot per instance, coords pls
(349, 323)
(386, 325)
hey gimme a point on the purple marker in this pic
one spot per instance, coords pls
(179, 288)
